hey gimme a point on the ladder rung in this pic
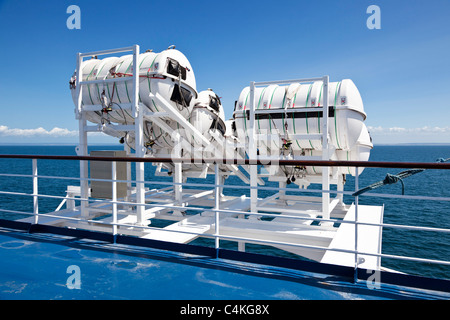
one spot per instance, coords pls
(103, 52)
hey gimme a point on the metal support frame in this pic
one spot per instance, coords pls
(252, 137)
(138, 113)
(325, 153)
(82, 150)
(139, 139)
(252, 146)
(177, 187)
(82, 138)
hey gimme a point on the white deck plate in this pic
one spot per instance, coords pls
(199, 223)
(55, 221)
(196, 224)
(369, 239)
(284, 232)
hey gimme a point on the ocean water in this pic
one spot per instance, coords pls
(421, 244)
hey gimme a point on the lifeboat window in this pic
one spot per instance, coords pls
(175, 69)
(181, 95)
(214, 103)
(217, 125)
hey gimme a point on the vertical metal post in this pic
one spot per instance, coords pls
(114, 196)
(217, 206)
(127, 150)
(70, 203)
(356, 224)
(82, 138)
(178, 174)
(340, 188)
(139, 139)
(282, 193)
(82, 151)
(252, 152)
(135, 100)
(78, 89)
(82, 145)
(178, 188)
(325, 154)
(35, 191)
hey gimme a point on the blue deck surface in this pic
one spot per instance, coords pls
(35, 266)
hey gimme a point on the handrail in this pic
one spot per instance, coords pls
(219, 210)
(318, 163)
(192, 184)
(217, 185)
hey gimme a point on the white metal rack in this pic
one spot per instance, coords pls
(143, 205)
(140, 112)
(137, 111)
(252, 146)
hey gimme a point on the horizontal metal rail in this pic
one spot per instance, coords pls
(202, 209)
(103, 52)
(254, 240)
(267, 188)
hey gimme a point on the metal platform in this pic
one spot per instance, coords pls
(289, 228)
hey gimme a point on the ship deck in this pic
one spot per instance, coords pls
(35, 265)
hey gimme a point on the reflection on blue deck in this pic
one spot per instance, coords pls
(36, 266)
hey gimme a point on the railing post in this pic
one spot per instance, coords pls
(114, 197)
(35, 192)
(217, 206)
(325, 156)
(83, 151)
(129, 188)
(82, 144)
(252, 146)
(138, 113)
(78, 88)
(355, 278)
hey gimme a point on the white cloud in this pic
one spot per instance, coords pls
(56, 135)
(38, 132)
(379, 134)
(399, 130)
(410, 135)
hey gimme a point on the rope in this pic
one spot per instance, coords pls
(394, 178)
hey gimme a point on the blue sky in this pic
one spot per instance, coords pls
(402, 70)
